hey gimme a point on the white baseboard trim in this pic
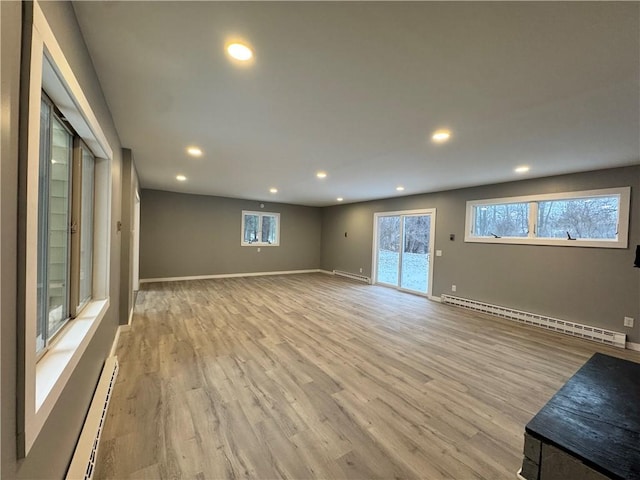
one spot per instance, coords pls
(358, 277)
(116, 339)
(633, 346)
(228, 275)
(130, 319)
(435, 298)
(326, 272)
(114, 345)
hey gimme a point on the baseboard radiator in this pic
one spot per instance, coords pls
(84, 459)
(353, 276)
(595, 334)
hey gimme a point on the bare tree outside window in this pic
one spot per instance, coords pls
(589, 218)
(595, 217)
(416, 234)
(389, 228)
(502, 220)
(260, 228)
(251, 228)
(268, 229)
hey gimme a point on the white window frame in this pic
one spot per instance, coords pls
(260, 215)
(45, 378)
(432, 251)
(622, 240)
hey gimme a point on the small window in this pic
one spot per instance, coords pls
(594, 218)
(260, 228)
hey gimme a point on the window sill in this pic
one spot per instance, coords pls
(550, 242)
(55, 367)
(256, 244)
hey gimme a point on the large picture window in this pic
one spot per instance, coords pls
(594, 218)
(260, 228)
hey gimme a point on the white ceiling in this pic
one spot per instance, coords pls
(356, 89)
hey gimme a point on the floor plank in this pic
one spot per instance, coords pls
(311, 376)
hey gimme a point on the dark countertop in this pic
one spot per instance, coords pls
(595, 417)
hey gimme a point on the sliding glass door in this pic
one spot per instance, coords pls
(403, 244)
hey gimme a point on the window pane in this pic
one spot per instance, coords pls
(86, 228)
(58, 228)
(250, 228)
(269, 229)
(587, 218)
(415, 253)
(388, 249)
(43, 196)
(503, 220)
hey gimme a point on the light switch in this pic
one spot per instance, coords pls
(438, 253)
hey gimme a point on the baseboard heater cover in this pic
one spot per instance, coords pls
(588, 332)
(86, 453)
(354, 276)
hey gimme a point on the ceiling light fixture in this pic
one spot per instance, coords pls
(194, 151)
(239, 51)
(441, 136)
(522, 169)
(273, 190)
(400, 188)
(339, 199)
(321, 174)
(181, 178)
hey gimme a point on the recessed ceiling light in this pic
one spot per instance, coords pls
(441, 136)
(239, 51)
(181, 178)
(273, 190)
(522, 169)
(194, 151)
(321, 174)
(400, 188)
(339, 199)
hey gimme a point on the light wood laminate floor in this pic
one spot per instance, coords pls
(310, 376)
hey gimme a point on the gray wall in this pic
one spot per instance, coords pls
(595, 286)
(52, 451)
(10, 32)
(185, 235)
(129, 189)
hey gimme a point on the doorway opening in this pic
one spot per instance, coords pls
(403, 242)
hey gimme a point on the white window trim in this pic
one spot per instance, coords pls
(623, 219)
(45, 378)
(260, 244)
(432, 244)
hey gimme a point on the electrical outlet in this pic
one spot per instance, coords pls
(258, 249)
(453, 288)
(628, 322)
(438, 253)
(360, 269)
